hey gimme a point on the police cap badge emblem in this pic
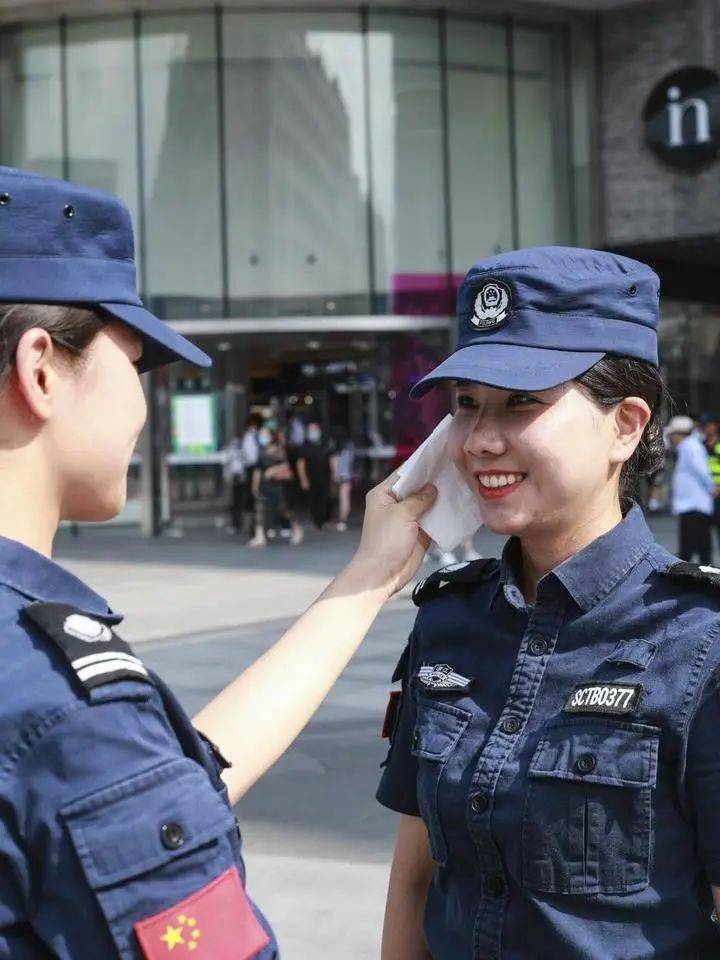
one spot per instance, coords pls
(493, 305)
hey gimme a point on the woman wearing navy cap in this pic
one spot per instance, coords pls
(555, 756)
(116, 833)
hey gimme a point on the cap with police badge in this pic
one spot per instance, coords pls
(64, 243)
(532, 319)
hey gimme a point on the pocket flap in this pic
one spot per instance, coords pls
(438, 728)
(620, 755)
(149, 819)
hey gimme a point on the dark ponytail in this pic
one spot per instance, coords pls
(609, 382)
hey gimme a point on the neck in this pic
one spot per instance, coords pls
(547, 550)
(29, 511)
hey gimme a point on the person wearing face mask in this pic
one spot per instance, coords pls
(270, 480)
(554, 755)
(117, 836)
(315, 474)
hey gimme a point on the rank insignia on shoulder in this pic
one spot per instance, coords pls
(469, 571)
(93, 649)
(684, 572)
(613, 699)
(441, 676)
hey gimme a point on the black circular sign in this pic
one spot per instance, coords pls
(682, 118)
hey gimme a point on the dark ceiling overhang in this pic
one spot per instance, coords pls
(688, 267)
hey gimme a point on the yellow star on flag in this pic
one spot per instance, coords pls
(172, 937)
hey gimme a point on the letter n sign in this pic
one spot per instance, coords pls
(682, 118)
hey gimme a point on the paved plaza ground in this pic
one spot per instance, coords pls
(200, 609)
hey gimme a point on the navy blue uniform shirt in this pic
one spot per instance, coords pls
(564, 755)
(111, 806)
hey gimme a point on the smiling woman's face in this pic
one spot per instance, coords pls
(535, 460)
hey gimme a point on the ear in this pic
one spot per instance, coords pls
(35, 372)
(631, 417)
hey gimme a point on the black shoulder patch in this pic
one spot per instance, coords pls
(470, 571)
(93, 649)
(693, 573)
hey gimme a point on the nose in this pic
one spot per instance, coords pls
(484, 439)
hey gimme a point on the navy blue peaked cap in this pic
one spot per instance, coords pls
(532, 319)
(63, 243)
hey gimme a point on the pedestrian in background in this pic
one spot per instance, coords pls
(343, 467)
(117, 837)
(711, 431)
(315, 474)
(236, 478)
(692, 491)
(270, 478)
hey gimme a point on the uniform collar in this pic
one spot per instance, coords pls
(590, 574)
(38, 578)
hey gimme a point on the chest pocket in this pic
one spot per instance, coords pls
(151, 841)
(587, 826)
(438, 729)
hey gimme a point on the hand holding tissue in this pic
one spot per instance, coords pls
(455, 515)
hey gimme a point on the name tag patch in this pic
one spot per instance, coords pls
(615, 699)
(441, 676)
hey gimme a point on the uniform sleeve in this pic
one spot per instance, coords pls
(398, 784)
(116, 825)
(703, 779)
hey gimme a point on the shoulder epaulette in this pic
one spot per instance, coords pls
(94, 651)
(693, 574)
(470, 571)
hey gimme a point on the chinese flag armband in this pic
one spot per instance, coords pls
(215, 923)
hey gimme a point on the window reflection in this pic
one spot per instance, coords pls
(296, 164)
(102, 136)
(181, 165)
(406, 136)
(541, 136)
(480, 153)
(31, 116)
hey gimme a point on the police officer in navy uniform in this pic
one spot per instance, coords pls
(116, 832)
(555, 755)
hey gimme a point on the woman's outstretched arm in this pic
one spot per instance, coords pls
(257, 716)
(410, 875)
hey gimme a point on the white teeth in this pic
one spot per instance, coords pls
(500, 479)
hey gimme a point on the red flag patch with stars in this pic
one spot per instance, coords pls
(216, 923)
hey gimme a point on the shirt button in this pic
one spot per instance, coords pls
(496, 886)
(479, 803)
(172, 836)
(511, 725)
(586, 763)
(538, 646)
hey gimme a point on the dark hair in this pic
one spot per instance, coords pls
(609, 382)
(71, 327)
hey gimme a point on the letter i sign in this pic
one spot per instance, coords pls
(215, 923)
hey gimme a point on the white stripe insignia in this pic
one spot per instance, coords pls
(441, 676)
(110, 666)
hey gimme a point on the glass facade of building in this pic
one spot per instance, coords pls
(308, 187)
(295, 164)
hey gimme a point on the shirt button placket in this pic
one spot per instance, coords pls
(542, 628)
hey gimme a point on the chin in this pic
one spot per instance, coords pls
(94, 508)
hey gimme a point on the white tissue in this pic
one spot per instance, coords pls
(455, 515)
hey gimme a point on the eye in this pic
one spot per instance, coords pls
(521, 400)
(464, 401)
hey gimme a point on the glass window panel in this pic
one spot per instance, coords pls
(296, 163)
(406, 136)
(480, 168)
(31, 103)
(541, 135)
(181, 165)
(102, 134)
